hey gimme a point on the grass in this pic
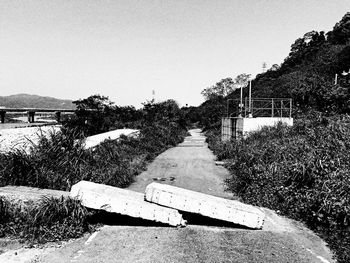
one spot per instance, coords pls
(302, 171)
(50, 219)
(58, 162)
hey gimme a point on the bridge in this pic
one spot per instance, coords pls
(31, 112)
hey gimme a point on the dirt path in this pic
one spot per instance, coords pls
(191, 165)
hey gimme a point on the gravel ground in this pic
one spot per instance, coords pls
(23, 138)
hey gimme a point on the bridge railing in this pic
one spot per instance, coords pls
(31, 112)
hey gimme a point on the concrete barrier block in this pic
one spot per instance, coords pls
(206, 205)
(125, 202)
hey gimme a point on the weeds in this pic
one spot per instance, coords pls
(60, 160)
(50, 219)
(302, 171)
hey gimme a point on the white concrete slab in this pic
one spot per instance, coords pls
(206, 205)
(23, 138)
(93, 141)
(125, 202)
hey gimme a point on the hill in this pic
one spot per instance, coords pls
(300, 171)
(34, 101)
(315, 74)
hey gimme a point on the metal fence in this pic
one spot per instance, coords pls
(260, 107)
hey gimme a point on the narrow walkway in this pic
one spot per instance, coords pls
(190, 165)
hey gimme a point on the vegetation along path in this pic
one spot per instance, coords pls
(192, 165)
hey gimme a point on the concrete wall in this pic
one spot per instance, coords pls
(255, 124)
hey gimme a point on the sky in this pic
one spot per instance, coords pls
(71, 49)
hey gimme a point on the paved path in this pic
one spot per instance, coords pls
(191, 165)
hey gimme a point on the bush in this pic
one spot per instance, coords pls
(302, 171)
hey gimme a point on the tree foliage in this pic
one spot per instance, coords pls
(341, 31)
(97, 114)
(225, 86)
(93, 115)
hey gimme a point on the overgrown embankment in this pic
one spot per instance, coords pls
(60, 160)
(301, 171)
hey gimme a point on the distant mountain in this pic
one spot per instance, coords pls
(34, 101)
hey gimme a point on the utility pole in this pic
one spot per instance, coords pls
(250, 100)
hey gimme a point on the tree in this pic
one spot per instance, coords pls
(241, 81)
(341, 31)
(225, 86)
(275, 67)
(95, 114)
(220, 89)
(168, 111)
(211, 111)
(94, 102)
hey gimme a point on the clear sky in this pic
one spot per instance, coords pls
(125, 49)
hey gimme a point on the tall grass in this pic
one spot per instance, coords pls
(301, 171)
(60, 160)
(50, 219)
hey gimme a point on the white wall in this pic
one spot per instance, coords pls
(255, 124)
